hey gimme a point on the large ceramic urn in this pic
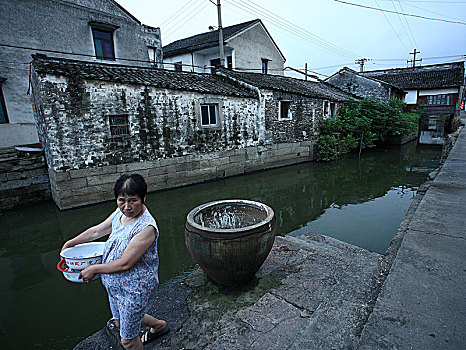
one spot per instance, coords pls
(230, 239)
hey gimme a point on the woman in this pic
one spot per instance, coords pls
(130, 262)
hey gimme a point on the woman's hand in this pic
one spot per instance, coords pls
(88, 273)
(67, 244)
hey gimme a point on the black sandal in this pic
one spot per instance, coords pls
(149, 336)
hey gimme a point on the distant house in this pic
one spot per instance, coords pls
(293, 108)
(364, 86)
(98, 31)
(437, 89)
(248, 46)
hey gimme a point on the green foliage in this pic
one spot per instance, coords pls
(362, 124)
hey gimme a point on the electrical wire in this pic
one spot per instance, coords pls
(196, 11)
(176, 14)
(396, 33)
(407, 24)
(403, 24)
(404, 14)
(289, 27)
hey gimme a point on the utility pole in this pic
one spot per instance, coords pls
(305, 71)
(220, 35)
(361, 62)
(414, 60)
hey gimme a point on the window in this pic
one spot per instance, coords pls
(178, 66)
(333, 107)
(119, 125)
(265, 65)
(209, 113)
(230, 62)
(439, 100)
(103, 43)
(3, 114)
(152, 53)
(326, 109)
(214, 64)
(285, 112)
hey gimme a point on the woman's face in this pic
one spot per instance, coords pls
(130, 205)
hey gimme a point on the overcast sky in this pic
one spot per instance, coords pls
(325, 33)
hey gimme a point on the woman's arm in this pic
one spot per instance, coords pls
(137, 247)
(92, 233)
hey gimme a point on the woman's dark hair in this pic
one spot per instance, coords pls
(133, 184)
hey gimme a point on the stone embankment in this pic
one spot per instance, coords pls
(23, 176)
(314, 292)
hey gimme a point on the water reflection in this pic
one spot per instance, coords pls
(351, 199)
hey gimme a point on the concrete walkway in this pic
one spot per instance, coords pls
(423, 301)
(314, 292)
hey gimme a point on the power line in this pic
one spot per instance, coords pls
(404, 14)
(401, 41)
(401, 18)
(201, 6)
(289, 27)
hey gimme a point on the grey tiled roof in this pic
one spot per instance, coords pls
(308, 88)
(203, 40)
(424, 77)
(203, 83)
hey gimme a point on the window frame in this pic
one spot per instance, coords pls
(265, 66)
(218, 105)
(113, 126)
(289, 114)
(435, 99)
(178, 66)
(103, 40)
(3, 104)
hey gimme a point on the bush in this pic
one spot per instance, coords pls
(362, 124)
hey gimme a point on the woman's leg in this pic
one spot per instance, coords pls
(132, 344)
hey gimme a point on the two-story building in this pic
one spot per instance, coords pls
(435, 89)
(248, 46)
(98, 30)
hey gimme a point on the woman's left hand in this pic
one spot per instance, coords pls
(88, 273)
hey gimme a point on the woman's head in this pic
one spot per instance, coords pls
(133, 184)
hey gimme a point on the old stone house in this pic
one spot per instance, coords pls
(247, 46)
(97, 121)
(362, 86)
(293, 108)
(436, 89)
(93, 30)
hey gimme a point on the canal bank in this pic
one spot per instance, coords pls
(316, 292)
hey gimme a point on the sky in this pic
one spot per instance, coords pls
(326, 34)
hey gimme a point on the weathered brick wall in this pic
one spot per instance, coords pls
(307, 114)
(23, 178)
(74, 117)
(85, 186)
(166, 143)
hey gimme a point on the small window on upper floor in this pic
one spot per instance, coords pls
(119, 125)
(178, 66)
(439, 100)
(285, 112)
(103, 43)
(152, 53)
(230, 62)
(265, 65)
(214, 64)
(3, 113)
(209, 115)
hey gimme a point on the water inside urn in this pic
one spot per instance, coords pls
(230, 216)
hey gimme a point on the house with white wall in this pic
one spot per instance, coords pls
(96, 31)
(248, 46)
(436, 89)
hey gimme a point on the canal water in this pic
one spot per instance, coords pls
(360, 201)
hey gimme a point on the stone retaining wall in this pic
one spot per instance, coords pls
(23, 177)
(85, 186)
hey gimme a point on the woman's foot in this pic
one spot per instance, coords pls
(155, 332)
